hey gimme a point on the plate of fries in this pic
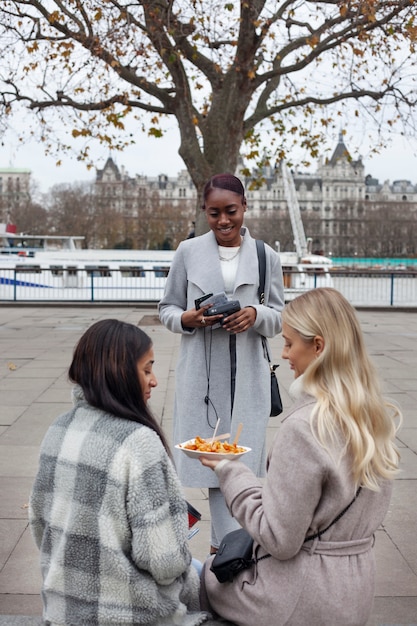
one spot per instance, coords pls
(195, 448)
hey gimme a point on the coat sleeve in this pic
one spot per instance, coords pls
(156, 509)
(174, 300)
(279, 513)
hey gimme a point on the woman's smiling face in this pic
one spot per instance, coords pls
(225, 211)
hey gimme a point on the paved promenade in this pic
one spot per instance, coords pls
(36, 344)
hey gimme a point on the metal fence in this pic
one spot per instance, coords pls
(377, 288)
(362, 288)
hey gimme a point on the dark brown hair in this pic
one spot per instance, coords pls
(104, 364)
(224, 181)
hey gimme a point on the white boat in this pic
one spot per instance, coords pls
(55, 268)
(23, 245)
(305, 273)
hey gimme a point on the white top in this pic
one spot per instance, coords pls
(229, 261)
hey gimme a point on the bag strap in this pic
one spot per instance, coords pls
(336, 519)
(260, 249)
(320, 532)
(261, 558)
(232, 351)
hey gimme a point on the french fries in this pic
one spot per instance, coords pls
(220, 447)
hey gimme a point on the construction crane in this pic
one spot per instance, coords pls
(294, 211)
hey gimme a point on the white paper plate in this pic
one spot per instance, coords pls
(196, 454)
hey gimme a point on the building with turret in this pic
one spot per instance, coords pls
(344, 211)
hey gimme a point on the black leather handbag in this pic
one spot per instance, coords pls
(276, 402)
(233, 556)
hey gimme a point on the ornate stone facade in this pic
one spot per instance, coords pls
(345, 212)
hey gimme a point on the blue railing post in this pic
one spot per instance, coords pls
(92, 286)
(15, 286)
(392, 290)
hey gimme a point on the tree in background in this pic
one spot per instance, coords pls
(73, 209)
(276, 227)
(271, 227)
(30, 218)
(390, 230)
(252, 78)
(17, 206)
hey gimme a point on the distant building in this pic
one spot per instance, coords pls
(343, 207)
(117, 190)
(339, 202)
(14, 189)
(344, 211)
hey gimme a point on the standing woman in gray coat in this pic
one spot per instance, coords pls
(222, 370)
(337, 439)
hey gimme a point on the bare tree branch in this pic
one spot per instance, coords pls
(221, 70)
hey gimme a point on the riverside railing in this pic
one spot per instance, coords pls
(377, 287)
(365, 288)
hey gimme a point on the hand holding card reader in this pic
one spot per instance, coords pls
(219, 305)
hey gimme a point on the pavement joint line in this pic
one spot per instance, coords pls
(396, 549)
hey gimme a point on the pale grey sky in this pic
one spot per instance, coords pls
(159, 156)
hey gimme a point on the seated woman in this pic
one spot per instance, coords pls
(107, 510)
(337, 437)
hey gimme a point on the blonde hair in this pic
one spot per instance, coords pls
(346, 386)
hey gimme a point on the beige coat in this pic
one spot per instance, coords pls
(319, 583)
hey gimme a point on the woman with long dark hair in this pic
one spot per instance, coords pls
(107, 509)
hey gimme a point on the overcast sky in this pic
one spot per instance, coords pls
(159, 156)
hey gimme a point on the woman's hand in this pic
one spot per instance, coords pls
(195, 318)
(236, 323)
(241, 320)
(209, 462)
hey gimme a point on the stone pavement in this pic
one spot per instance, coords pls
(36, 344)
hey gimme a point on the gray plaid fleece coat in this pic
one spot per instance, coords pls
(108, 515)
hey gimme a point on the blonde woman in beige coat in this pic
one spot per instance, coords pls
(338, 436)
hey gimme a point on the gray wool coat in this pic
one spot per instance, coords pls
(204, 365)
(321, 582)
